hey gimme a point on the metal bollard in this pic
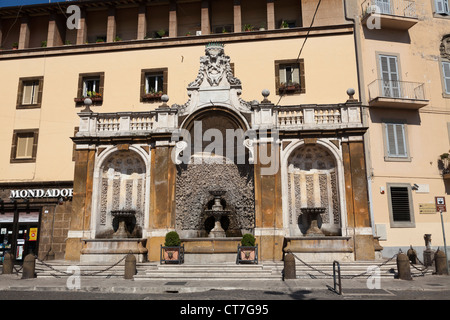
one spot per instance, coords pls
(8, 263)
(403, 267)
(289, 267)
(29, 265)
(440, 263)
(130, 266)
(412, 255)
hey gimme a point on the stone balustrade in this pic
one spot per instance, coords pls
(166, 119)
(320, 116)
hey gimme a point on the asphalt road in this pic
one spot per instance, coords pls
(241, 295)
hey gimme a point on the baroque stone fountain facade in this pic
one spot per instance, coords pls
(159, 167)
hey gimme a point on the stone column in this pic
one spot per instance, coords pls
(173, 23)
(268, 202)
(24, 36)
(82, 31)
(358, 219)
(111, 25)
(237, 16)
(142, 22)
(206, 27)
(270, 14)
(81, 201)
(162, 196)
(56, 30)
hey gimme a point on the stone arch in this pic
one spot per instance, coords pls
(206, 170)
(312, 176)
(120, 183)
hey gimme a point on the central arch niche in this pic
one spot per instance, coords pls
(209, 169)
(312, 182)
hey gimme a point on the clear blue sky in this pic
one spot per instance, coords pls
(13, 3)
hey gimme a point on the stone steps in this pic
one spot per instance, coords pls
(264, 270)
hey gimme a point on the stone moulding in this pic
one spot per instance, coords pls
(318, 244)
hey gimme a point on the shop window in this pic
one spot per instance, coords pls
(24, 146)
(30, 93)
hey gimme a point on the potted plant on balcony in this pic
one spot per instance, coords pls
(172, 251)
(94, 96)
(284, 25)
(152, 95)
(289, 87)
(248, 249)
(248, 27)
(15, 46)
(445, 163)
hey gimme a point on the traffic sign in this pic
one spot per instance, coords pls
(440, 204)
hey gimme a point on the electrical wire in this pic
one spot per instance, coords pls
(304, 41)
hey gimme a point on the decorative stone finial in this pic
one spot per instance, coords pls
(87, 103)
(265, 94)
(164, 99)
(351, 92)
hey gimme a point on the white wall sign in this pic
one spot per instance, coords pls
(40, 193)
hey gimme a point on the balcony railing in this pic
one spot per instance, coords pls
(397, 93)
(318, 116)
(400, 8)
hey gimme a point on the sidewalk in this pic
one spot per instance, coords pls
(14, 282)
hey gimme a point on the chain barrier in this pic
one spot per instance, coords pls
(82, 274)
(344, 276)
(422, 271)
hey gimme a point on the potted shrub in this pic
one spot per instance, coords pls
(172, 251)
(284, 25)
(44, 44)
(15, 46)
(248, 249)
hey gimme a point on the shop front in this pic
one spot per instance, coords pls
(33, 219)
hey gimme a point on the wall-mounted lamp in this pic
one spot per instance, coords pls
(60, 200)
(415, 186)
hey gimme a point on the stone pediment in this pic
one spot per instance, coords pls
(215, 84)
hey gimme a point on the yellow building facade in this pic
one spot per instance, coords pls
(153, 69)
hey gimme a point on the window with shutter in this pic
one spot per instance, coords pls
(396, 140)
(390, 85)
(446, 75)
(400, 205)
(24, 146)
(442, 7)
(384, 5)
(290, 76)
(30, 92)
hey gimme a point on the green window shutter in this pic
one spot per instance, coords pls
(396, 140)
(446, 73)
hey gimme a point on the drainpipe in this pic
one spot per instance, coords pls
(362, 95)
